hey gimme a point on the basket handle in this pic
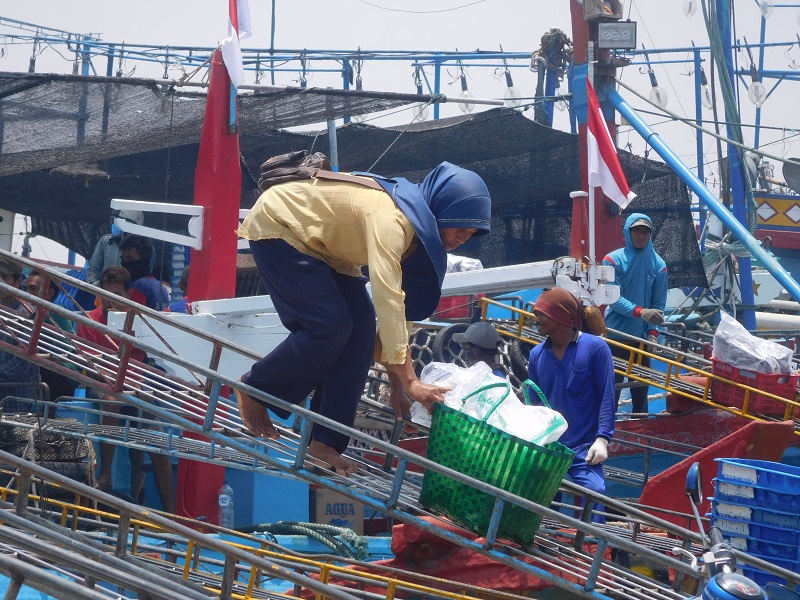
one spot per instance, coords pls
(526, 385)
(503, 384)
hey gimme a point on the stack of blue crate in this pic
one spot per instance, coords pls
(756, 505)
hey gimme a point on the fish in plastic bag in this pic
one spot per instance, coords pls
(477, 392)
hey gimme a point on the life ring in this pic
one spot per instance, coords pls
(445, 349)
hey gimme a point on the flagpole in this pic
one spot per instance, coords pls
(590, 76)
(591, 225)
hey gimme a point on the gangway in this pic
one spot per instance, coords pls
(200, 407)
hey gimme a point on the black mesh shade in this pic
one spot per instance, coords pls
(71, 144)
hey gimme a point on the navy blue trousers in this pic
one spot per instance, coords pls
(331, 341)
(639, 403)
(588, 476)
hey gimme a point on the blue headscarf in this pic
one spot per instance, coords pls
(448, 197)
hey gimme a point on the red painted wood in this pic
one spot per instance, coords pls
(217, 187)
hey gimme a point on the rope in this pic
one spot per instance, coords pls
(434, 98)
(350, 544)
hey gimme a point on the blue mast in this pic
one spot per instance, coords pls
(735, 168)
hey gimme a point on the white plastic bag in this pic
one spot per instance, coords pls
(734, 345)
(461, 381)
(550, 424)
(477, 392)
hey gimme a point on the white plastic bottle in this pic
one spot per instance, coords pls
(226, 506)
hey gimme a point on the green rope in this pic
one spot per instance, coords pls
(342, 540)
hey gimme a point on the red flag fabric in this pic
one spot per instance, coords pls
(603, 163)
(239, 28)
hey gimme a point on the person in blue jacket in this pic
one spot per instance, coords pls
(575, 371)
(642, 276)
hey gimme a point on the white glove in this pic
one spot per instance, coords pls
(652, 339)
(653, 316)
(598, 452)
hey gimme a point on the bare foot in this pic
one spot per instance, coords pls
(340, 464)
(103, 482)
(255, 417)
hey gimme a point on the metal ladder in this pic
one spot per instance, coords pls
(100, 554)
(201, 409)
(520, 327)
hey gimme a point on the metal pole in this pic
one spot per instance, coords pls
(590, 76)
(333, 145)
(706, 196)
(272, 45)
(736, 175)
(698, 103)
(760, 68)
(437, 83)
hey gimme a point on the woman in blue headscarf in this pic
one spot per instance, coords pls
(310, 240)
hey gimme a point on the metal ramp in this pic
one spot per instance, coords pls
(200, 408)
(99, 546)
(676, 362)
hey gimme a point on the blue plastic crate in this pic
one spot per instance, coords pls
(748, 529)
(762, 578)
(759, 547)
(738, 492)
(772, 476)
(748, 512)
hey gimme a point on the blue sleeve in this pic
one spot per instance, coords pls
(14, 369)
(622, 306)
(660, 288)
(604, 368)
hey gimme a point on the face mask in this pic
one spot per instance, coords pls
(115, 231)
(475, 355)
(137, 268)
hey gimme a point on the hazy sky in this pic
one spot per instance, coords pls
(426, 25)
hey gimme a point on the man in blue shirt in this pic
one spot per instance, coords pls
(575, 370)
(642, 277)
(137, 258)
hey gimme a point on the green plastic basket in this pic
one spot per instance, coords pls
(484, 452)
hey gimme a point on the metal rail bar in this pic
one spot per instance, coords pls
(207, 569)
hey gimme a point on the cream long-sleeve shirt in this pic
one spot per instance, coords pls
(347, 226)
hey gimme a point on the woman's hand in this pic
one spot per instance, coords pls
(426, 394)
(402, 377)
(398, 400)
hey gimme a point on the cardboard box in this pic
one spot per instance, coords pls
(334, 508)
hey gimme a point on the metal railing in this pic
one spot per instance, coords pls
(676, 364)
(200, 408)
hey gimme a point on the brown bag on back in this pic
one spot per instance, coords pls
(291, 166)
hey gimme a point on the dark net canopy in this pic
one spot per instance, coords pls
(71, 144)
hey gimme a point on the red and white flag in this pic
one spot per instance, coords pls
(238, 29)
(604, 168)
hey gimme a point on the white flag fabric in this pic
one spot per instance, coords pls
(603, 163)
(239, 28)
